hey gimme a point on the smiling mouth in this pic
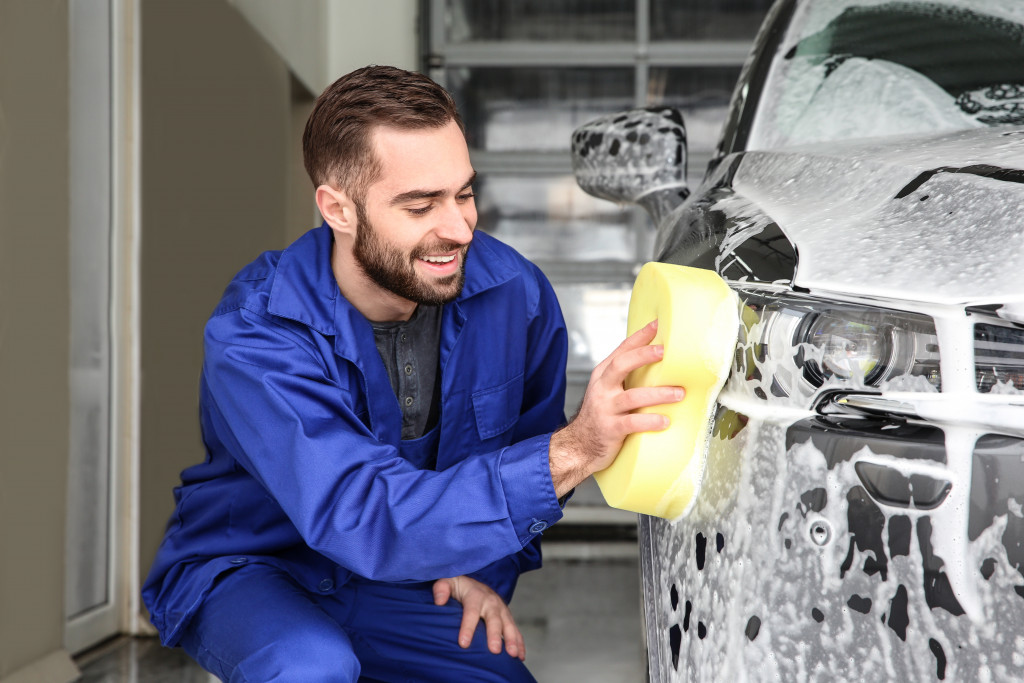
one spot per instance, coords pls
(438, 259)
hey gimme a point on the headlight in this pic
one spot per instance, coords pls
(796, 345)
(844, 348)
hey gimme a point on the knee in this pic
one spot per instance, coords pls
(309, 657)
(258, 625)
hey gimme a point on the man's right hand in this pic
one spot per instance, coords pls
(590, 442)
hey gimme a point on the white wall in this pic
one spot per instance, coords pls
(378, 32)
(321, 40)
(297, 31)
(34, 338)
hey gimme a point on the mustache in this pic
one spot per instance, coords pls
(438, 248)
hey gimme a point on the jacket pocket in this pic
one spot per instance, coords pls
(497, 409)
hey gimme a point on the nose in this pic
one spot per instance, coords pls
(457, 222)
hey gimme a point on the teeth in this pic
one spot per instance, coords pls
(438, 259)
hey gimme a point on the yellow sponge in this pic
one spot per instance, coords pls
(659, 473)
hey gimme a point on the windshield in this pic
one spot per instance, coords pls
(865, 68)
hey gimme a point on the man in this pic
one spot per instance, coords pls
(381, 407)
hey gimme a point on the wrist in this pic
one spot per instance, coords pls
(565, 458)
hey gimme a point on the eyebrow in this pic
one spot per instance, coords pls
(413, 195)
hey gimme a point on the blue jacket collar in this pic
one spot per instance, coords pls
(304, 288)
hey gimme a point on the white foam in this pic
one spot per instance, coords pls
(750, 493)
(840, 206)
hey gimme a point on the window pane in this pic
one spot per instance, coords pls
(562, 20)
(702, 93)
(549, 218)
(88, 539)
(535, 109)
(595, 315)
(706, 19)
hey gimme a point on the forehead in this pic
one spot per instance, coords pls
(426, 158)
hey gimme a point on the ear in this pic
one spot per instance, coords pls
(337, 208)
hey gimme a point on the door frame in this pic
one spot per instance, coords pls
(104, 50)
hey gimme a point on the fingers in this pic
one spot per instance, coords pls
(494, 625)
(624, 361)
(607, 415)
(514, 643)
(639, 339)
(645, 422)
(480, 603)
(442, 591)
(501, 627)
(638, 342)
(645, 397)
(470, 618)
(642, 337)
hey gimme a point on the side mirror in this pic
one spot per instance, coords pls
(637, 156)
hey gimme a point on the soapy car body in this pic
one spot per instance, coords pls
(861, 516)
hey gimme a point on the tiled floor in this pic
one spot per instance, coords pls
(580, 618)
(581, 621)
(140, 660)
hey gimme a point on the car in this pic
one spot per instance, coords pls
(860, 514)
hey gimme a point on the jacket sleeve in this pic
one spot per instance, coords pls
(352, 498)
(544, 388)
(542, 412)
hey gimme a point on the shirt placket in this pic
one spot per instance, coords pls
(408, 385)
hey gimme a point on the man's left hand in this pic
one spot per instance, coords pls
(480, 602)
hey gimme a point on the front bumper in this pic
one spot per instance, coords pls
(845, 547)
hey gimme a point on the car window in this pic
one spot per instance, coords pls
(865, 68)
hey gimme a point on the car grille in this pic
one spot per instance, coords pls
(998, 358)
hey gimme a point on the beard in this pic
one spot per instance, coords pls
(394, 270)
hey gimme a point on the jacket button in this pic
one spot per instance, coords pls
(538, 527)
(326, 585)
(408, 368)
(408, 400)
(239, 560)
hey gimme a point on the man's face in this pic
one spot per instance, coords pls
(417, 221)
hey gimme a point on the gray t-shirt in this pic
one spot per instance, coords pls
(410, 350)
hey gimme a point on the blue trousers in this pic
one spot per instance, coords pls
(259, 625)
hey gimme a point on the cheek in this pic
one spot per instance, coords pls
(398, 232)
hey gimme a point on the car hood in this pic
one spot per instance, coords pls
(934, 219)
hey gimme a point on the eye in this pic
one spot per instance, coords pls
(465, 196)
(420, 210)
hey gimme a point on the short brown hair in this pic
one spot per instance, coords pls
(336, 144)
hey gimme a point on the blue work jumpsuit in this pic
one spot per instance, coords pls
(306, 475)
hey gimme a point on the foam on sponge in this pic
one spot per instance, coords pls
(659, 473)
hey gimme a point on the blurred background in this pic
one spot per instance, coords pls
(151, 148)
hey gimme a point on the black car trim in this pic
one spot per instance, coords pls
(736, 132)
(1009, 175)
